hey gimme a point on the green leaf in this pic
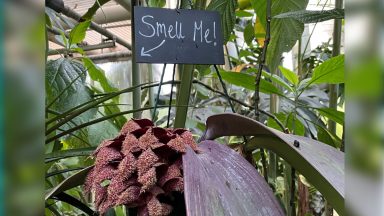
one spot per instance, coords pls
(332, 114)
(272, 123)
(260, 8)
(110, 109)
(77, 34)
(243, 13)
(64, 39)
(330, 71)
(306, 16)
(248, 81)
(79, 50)
(277, 80)
(92, 10)
(227, 11)
(284, 32)
(48, 20)
(97, 74)
(66, 88)
(293, 124)
(249, 34)
(289, 75)
(109, 130)
(327, 137)
(156, 3)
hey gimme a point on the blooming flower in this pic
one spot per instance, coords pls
(142, 163)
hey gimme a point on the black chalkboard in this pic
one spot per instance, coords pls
(178, 36)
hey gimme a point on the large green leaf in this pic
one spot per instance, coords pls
(325, 136)
(277, 80)
(248, 81)
(306, 16)
(227, 10)
(332, 114)
(77, 34)
(66, 88)
(289, 75)
(97, 74)
(284, 32)
(110, 109)
(109, 130)
(293, 124)
(331, 71)
(249, 34)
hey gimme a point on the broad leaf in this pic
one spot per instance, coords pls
(277, 80)
(249, 34)
(248, 81)
(293, 124)
(321, 164)
(325, 136)
(306, 16)
(284, 32)
(227, 10)
(289, 75)
(109, 130)
(97, 74)
(219, 181)
(243, 13)
(330, 71)
(66, 88)
(332, 114)
(77, 34)
(110, 109)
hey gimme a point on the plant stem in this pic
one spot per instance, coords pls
(136, 94)
(171, 96)
(224, 88)
(333, 89)
(183, 95)
(151, 93)
(292, 195)
(258, 77)
(158, 92)
(262, 59)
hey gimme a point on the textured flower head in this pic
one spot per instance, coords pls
(138, 166)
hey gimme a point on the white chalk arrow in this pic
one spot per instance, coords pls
(146, 53)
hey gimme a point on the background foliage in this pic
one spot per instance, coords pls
(79, 116)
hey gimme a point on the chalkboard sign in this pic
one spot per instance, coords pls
(178, 36)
